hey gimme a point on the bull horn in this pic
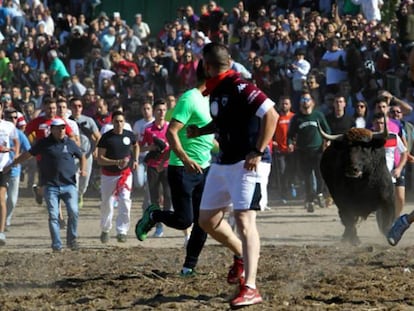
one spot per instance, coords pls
(383, 134)
(337, 137)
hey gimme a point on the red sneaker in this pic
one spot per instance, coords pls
(246, 297)
(236, 271)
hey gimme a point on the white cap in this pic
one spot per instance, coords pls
(57, 122)
(117, 14)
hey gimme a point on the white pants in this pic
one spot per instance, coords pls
(108, 185)
(83, 181)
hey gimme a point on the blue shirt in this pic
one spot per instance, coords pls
(57, 164)
(24, 146)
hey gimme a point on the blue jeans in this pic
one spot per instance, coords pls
(12, 195)
(69, 195)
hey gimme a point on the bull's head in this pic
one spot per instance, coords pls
(357, 143)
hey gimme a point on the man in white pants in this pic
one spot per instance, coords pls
(117, 155)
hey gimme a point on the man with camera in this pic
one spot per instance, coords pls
(155, 142)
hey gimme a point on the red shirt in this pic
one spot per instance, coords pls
(40, 127)
(281, 131)
(101, 120)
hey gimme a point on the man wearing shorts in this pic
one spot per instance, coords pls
(244, 120)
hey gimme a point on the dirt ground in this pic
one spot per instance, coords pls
(303, 266)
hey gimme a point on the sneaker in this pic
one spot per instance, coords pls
(145, 224)
(187, 272)
(74, 245)
(293, 191)
(246, 297)
(104, 237)
(2, 239)
(236, 272)
(397, 230)
(310, 207)
(80, 201)
(37, 195)
(62, 224)
(320, 200)
(122, 238)
(57, 250)
(159, 232)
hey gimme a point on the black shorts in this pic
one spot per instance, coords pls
(400, 181)
(4, 179)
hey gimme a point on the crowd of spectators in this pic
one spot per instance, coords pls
(66, 51)
(69, 48)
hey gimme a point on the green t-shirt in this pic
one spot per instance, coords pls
(193, 109)
(60, 71)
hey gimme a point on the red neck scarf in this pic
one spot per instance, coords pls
(212, 83)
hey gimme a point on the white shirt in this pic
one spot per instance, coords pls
(299, 74)
(139, 129)
(7, 132)
(370, 8)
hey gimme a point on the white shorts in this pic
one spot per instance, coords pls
(232, 185)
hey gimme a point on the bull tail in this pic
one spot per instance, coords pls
(385, 217)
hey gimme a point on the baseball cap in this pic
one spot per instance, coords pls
(57, 122)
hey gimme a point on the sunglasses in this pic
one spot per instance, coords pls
(395, 111)
(305, 99)
(360, 106)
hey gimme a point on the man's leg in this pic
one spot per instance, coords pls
(107, 199)
(3, 212)
(12, 194)
(214, 223)
(70, 198)
(123, 219)
(84, 180)
(249, 235)
(51, 195)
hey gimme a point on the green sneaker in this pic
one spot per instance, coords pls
(80, 201)
(145, 224)
(187, 273)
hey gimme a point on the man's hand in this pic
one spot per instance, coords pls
(192, 167)
(7, 168)
(252, 160)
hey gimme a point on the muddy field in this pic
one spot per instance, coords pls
(303, 266)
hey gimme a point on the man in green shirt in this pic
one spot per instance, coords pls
(188, 165)
(307, 142)
(57, 68)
